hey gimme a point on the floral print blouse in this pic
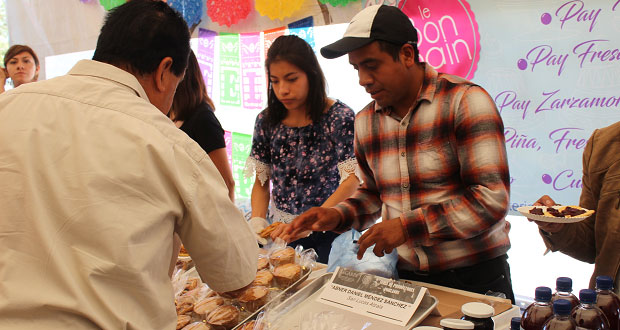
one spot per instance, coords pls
(304, 164)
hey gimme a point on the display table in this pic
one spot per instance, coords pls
(450, 302)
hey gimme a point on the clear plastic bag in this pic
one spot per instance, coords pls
(344, 254)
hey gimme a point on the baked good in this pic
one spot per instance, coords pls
(537, 211)
(183, 252)
(262, 263)
(269, 229)
(287, 274)
(283, 256)
(567, 211)
(184, 306)
(197, 326)
(251, 326)
(207, 305)
(183, 320)
(254, 298)
(226, 316)
(264, 278)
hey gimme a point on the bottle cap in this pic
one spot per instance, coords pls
(562, 307)
(477, 310)
(542, 293)
(515, 323)
(564, 284)
(456, 324)
(604, 283)
(587, 296)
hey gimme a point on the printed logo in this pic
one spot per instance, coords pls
(448, 36)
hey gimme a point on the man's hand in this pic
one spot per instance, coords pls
(549, 227)
(282, 231)
(315, 219)
(386, 235)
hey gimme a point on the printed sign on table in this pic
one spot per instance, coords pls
(373, 296)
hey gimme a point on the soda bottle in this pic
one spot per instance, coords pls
(536, 314)
(587, 315)
(607, 301)
(564, 290)
(561, 319)
(515, 323)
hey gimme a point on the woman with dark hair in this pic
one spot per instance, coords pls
(21, 64)
(192, 111)
(302, 145)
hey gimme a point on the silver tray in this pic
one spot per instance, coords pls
(278, 298)
(289, 314)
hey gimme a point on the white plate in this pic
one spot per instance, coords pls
(525, 211)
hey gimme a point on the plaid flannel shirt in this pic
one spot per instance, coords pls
(442, 169)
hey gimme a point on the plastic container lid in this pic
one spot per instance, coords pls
(477, 310)
(564, 284)
(542, 293)
(456, 324)
(587, 296)
(604, 282)
(515, 323)
(562, 307)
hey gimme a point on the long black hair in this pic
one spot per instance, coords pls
(296, 51)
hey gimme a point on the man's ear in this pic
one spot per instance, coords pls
(407, 55)
(162, 74)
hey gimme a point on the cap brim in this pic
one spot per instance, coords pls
(344, 46)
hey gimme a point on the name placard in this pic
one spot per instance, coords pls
(373, 296)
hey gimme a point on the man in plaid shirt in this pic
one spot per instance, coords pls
(433, 161)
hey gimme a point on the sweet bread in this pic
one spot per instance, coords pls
(283, 256)
(254, 298)
(269, 229)
(226, 316)
(287, 274)
(263, 278)
(206, 306)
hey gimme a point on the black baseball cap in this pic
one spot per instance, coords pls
(387, 23)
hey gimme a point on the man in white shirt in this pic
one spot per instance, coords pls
(94, 180)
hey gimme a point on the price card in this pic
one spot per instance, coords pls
(373, 296)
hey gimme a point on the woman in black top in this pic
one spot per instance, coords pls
(192, 111)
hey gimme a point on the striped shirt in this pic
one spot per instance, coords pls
(442, 169)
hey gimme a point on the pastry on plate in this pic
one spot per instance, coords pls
(287, 274)
(254, 298)
(283, 256)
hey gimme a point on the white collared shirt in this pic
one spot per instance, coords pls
(93, 182)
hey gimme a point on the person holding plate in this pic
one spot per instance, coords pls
(597, 238)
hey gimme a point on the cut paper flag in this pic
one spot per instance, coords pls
(337, 2)
(109, 4)
(241, 147)
(304, 29)
(278, 9)
(230, 70)
(228, 12)
(206, 56)
(251, 71)
(191, 10)
(270, 35)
